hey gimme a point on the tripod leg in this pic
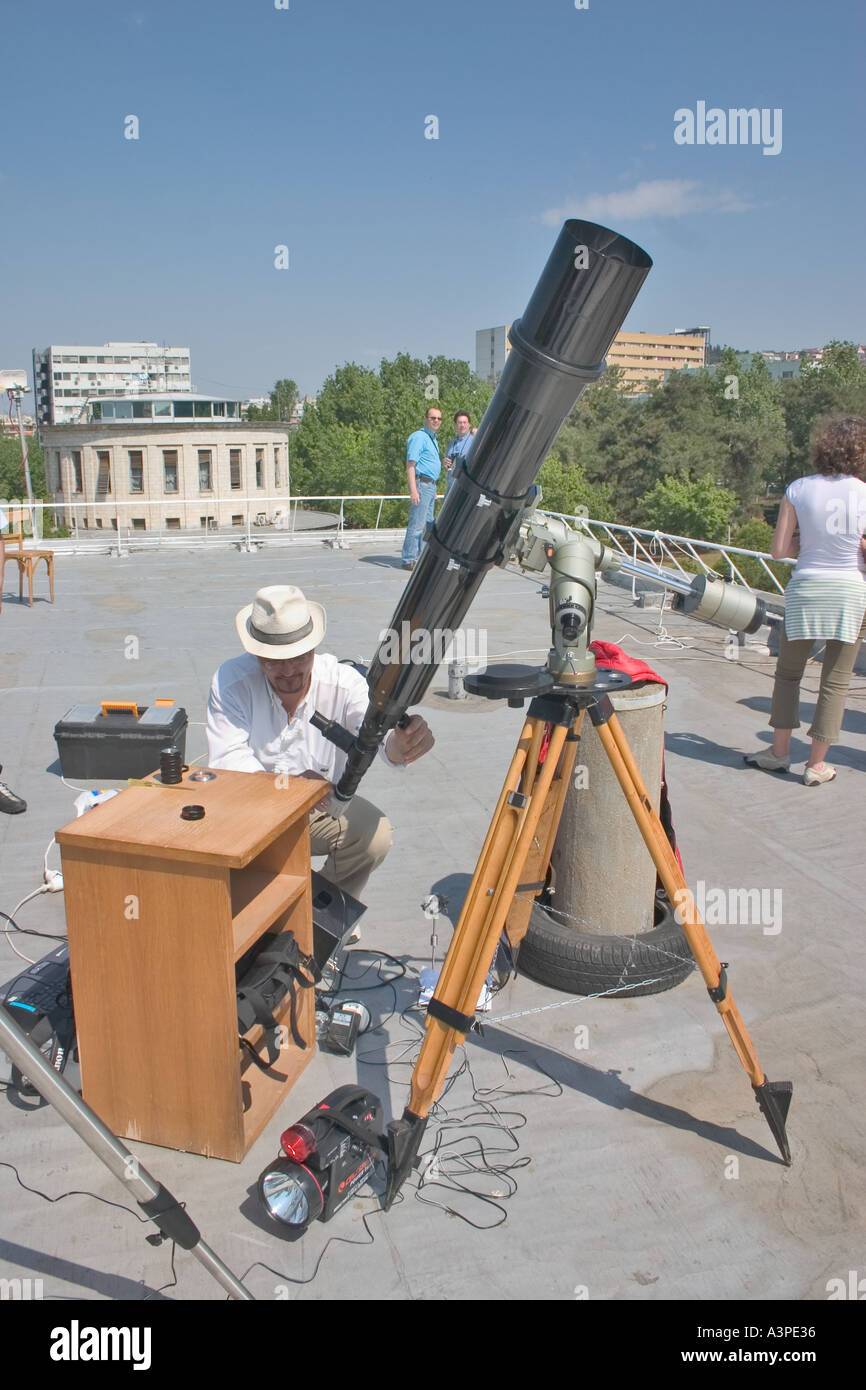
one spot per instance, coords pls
(774, 1097)
(451, 1011)
(538, 858)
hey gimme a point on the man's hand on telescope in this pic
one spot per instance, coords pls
(409, 744)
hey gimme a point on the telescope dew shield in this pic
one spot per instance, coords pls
(727, 605)
(586, 289)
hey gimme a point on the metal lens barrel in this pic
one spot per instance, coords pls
(589, 284)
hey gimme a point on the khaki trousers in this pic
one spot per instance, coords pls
(839, 658)
(355, 842)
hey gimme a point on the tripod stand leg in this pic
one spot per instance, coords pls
(538, 859)
(451, 1011)
(774, 1097)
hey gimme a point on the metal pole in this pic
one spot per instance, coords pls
(16, 396)
(126, 1167)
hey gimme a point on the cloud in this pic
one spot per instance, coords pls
(652, 198)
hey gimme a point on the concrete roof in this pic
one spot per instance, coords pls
(629, 1143)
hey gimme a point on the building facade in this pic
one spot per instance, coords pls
(66, 378)
(645, 358)
(167, 470)
(491, 349)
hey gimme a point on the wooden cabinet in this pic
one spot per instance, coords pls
(159, 910)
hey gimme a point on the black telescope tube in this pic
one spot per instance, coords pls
(586, 289)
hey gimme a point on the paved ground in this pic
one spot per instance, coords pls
(624, 1152)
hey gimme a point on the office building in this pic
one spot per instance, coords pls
(66, 378)
(644, 357)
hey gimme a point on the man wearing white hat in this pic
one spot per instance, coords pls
(258, 719)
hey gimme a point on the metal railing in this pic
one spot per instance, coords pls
(658, 547)
(328, 523)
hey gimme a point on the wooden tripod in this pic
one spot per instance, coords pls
(509, 875)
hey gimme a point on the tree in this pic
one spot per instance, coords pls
(12, 483)
(564, 488)
(379, 409)
(751, 425)
(835, 383)
(688, 507)
(284, 398)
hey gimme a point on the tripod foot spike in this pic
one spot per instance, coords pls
(774, 1098)
(404, 1141)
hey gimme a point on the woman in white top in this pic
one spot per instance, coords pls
(826, 594)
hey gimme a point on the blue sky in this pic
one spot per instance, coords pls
(305, 127)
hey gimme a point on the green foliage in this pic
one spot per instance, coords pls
(835, 384)
(564, 488)
(353, 440)
(699, 452)
(688, 507)
(284, 398)
(757, 535)
(12, 482)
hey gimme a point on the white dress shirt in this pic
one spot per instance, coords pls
(248, 729)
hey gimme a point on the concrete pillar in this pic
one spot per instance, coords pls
(605, 880)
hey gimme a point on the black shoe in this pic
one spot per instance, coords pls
(9, 801)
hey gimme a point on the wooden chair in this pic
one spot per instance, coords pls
(26, 559)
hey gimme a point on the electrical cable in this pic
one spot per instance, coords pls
(334, 1240)
(73, 1192)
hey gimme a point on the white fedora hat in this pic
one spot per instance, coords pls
(280, 623)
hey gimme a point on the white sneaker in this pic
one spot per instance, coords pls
(767, 760)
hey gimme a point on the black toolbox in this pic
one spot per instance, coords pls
(118, 740)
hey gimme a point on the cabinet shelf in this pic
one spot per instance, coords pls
(156, 1005)
(258, 899)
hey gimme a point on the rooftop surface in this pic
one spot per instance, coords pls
(641, 1168)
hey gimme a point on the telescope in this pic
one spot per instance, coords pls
(586, 289)
(574, 559)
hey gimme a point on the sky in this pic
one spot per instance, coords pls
(308, 127)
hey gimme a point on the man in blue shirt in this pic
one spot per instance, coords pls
(459, 446)
(423, 467)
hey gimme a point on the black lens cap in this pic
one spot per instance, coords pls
(192, 813)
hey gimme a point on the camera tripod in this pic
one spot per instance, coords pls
(511, 872)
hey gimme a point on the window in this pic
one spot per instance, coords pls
(76, 471)
(136, 470)
(205, 480)
(161, 408)
(183, 410)
(141, 410)
(139, 523)
(260, 467)
(99, 522)
(172, 523)
(202, 410)
(103, 471)
(219, 408)
(276, 465)
(235, 468)
(238, 520)
(169, 470)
